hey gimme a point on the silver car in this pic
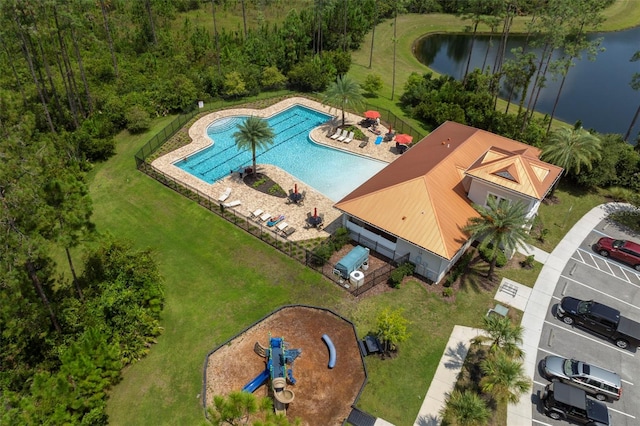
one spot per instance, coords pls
(603, 384)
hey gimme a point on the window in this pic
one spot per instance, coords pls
(498, 199)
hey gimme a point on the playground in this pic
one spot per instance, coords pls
(323, 395)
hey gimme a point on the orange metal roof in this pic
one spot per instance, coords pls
(420, 197)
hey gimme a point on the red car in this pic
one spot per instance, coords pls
(625, 251)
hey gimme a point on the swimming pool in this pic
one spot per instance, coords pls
(332, 172)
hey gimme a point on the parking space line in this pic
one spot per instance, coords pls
(541, 384)
(581, 258)
(606, 261)
(627, 382)
(622, 412)
(601, 292)
(589, 338)
(540, 423)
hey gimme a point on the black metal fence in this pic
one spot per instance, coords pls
(292, 249)
(396, 123)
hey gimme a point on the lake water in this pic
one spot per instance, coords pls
(598, 92)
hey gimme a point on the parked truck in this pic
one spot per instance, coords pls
(600, 319)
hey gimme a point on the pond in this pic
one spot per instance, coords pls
(596, 92)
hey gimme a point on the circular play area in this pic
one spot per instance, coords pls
(306, 358)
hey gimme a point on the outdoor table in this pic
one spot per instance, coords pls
(295, 196)
(316, 220)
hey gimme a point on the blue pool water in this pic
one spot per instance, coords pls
(333, 172)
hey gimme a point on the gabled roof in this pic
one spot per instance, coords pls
(420, 197)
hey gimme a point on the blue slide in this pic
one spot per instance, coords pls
(332, 350)
(256, 382)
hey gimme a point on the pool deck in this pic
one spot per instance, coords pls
(252, 200)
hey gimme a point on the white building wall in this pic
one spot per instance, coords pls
(478, 192)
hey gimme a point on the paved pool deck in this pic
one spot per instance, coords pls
(251, 200)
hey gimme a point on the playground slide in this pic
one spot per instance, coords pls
(256, 382)
(332, 350)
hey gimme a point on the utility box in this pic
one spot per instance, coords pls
(352, 261)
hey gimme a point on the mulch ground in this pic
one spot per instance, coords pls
(323, 396)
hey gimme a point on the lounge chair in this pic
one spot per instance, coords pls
(343, 136)
(256, 213)
(349, 137)
(339, 134)
(265, 216)
(336, 134)
(234, 203)
(224, 195)
(281, 226)
(364, 143)
(290, 230)
(275, 220)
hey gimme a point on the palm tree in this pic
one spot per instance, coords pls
(504, 335)
(572, 149)
(343, 92)
(466, 408)
(254, 133)
(501, 225)
(635, 85)
(504, 378)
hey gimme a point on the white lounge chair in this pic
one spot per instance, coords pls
(265, 216)
(336, 134)
(256, 213)
(342, 135)
(349, 137)
(224, 195)
(281, 226)
(232, 204)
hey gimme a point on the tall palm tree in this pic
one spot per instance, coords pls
(635, 85)
(466, 408)
(252, 134)
(504, 335)
(504, 378)
(501, 225)
(572, 149)
(344, 91)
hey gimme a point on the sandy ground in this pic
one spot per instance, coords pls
(323, 396)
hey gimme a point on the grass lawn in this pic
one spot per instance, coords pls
(558, 218)
(219, 279)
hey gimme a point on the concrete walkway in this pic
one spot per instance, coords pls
(446, 375)
(535, 304)
(538, 304)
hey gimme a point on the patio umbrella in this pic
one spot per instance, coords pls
(295, 188)
(372, 114)
(315, 212)
(404, 139)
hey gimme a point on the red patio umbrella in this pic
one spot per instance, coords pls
(295, 188)
(372, 114)
(315, 212)
(404, 139)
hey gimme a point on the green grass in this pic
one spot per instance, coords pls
(621, 15)
(558, 218)
(220, 279)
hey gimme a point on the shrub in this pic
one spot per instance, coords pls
(486, 254)
(527, 262)
(138, 119)
(398, 274)
(447, 292)
(321, 254)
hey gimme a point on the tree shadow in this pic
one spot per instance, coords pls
(475, 276)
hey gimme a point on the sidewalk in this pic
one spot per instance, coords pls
(534, 302)
(538, 304)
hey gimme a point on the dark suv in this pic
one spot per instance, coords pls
(625, 251)
(562, 401)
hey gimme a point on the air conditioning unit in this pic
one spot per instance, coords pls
(357, 278)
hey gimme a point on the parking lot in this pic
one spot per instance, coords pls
(588, 276)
